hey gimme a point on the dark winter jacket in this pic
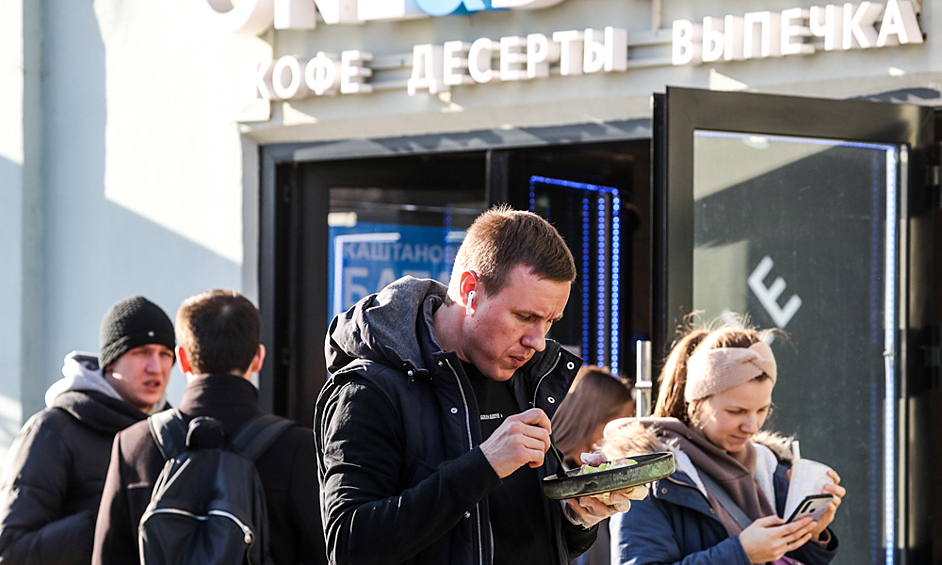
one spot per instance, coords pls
(287, 471)
(55, 470)
(402, 475)
(676, 524)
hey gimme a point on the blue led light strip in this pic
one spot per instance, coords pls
(606, 300)
(616, 280)
(586, 295)
(877, 426)
(889, 356)
(571, 184)
(601, 296)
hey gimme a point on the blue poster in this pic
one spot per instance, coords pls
(366, 257)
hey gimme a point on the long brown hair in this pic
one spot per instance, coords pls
(595, 397)
(673, 378)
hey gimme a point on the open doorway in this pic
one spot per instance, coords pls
(344, 228)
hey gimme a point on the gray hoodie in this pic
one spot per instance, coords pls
(80, 372)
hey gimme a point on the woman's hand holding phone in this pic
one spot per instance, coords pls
(838, 491)
(770, 538)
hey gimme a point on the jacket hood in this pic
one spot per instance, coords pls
(625, 437)
(84, 393)
(384, 327)
(80, 373)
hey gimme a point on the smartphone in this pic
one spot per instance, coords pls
(813, 505)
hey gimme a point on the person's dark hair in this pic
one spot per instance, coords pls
(501, 238)
(219, 330)
(595, 397)
(673, 378)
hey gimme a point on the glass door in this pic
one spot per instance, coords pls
(793, 212)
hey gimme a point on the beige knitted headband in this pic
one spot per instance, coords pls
(714, 370)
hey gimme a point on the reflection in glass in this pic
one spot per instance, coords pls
(800, 234)
(378, 236)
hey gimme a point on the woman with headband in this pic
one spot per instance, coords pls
(721, 506)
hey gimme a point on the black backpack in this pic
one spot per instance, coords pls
(208, 505)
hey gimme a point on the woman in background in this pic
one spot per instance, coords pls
(721, 505)
(595, 398)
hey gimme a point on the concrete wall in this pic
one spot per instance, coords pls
(11, 212)
(142, 168)
(20, 213)
(120, 173)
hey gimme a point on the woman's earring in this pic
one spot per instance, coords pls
(467, 307)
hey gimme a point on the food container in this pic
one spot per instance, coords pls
(646, 469)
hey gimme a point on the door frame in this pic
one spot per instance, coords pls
(278, 179)
(681, 111)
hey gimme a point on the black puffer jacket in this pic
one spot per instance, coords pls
(53, 478)
(403, 478)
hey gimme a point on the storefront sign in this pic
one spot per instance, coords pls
(437, 68)
(257, 16)
(366, 257)
(775, 34)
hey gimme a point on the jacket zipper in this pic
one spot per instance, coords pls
(467, 419)
(536, 389)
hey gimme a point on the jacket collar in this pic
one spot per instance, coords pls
(219, 389)
(98, 411)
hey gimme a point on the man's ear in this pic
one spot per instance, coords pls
(467, 283)
(257, 361)
(184, 362)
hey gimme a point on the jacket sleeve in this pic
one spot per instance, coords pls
(645, 535)
(578, 539)
(34, 529)
(115, 540)
(368, 517)
(813, 554)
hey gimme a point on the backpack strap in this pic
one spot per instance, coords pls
(726, 501)
(168, 429)
(258, 434)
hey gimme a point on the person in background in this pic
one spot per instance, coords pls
(218, 332)
(596, 397)
(723, 502)
(53, 475)
(433, 427)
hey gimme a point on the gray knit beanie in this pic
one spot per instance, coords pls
(130, 323)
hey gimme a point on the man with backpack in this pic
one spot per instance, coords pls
(181, 487)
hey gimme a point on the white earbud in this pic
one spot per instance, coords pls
(467, 308)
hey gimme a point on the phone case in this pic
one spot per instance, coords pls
(813, 505)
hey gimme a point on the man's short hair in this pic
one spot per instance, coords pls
(501, 239)
(219, 330)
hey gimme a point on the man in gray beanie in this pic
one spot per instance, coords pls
(53, 476)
